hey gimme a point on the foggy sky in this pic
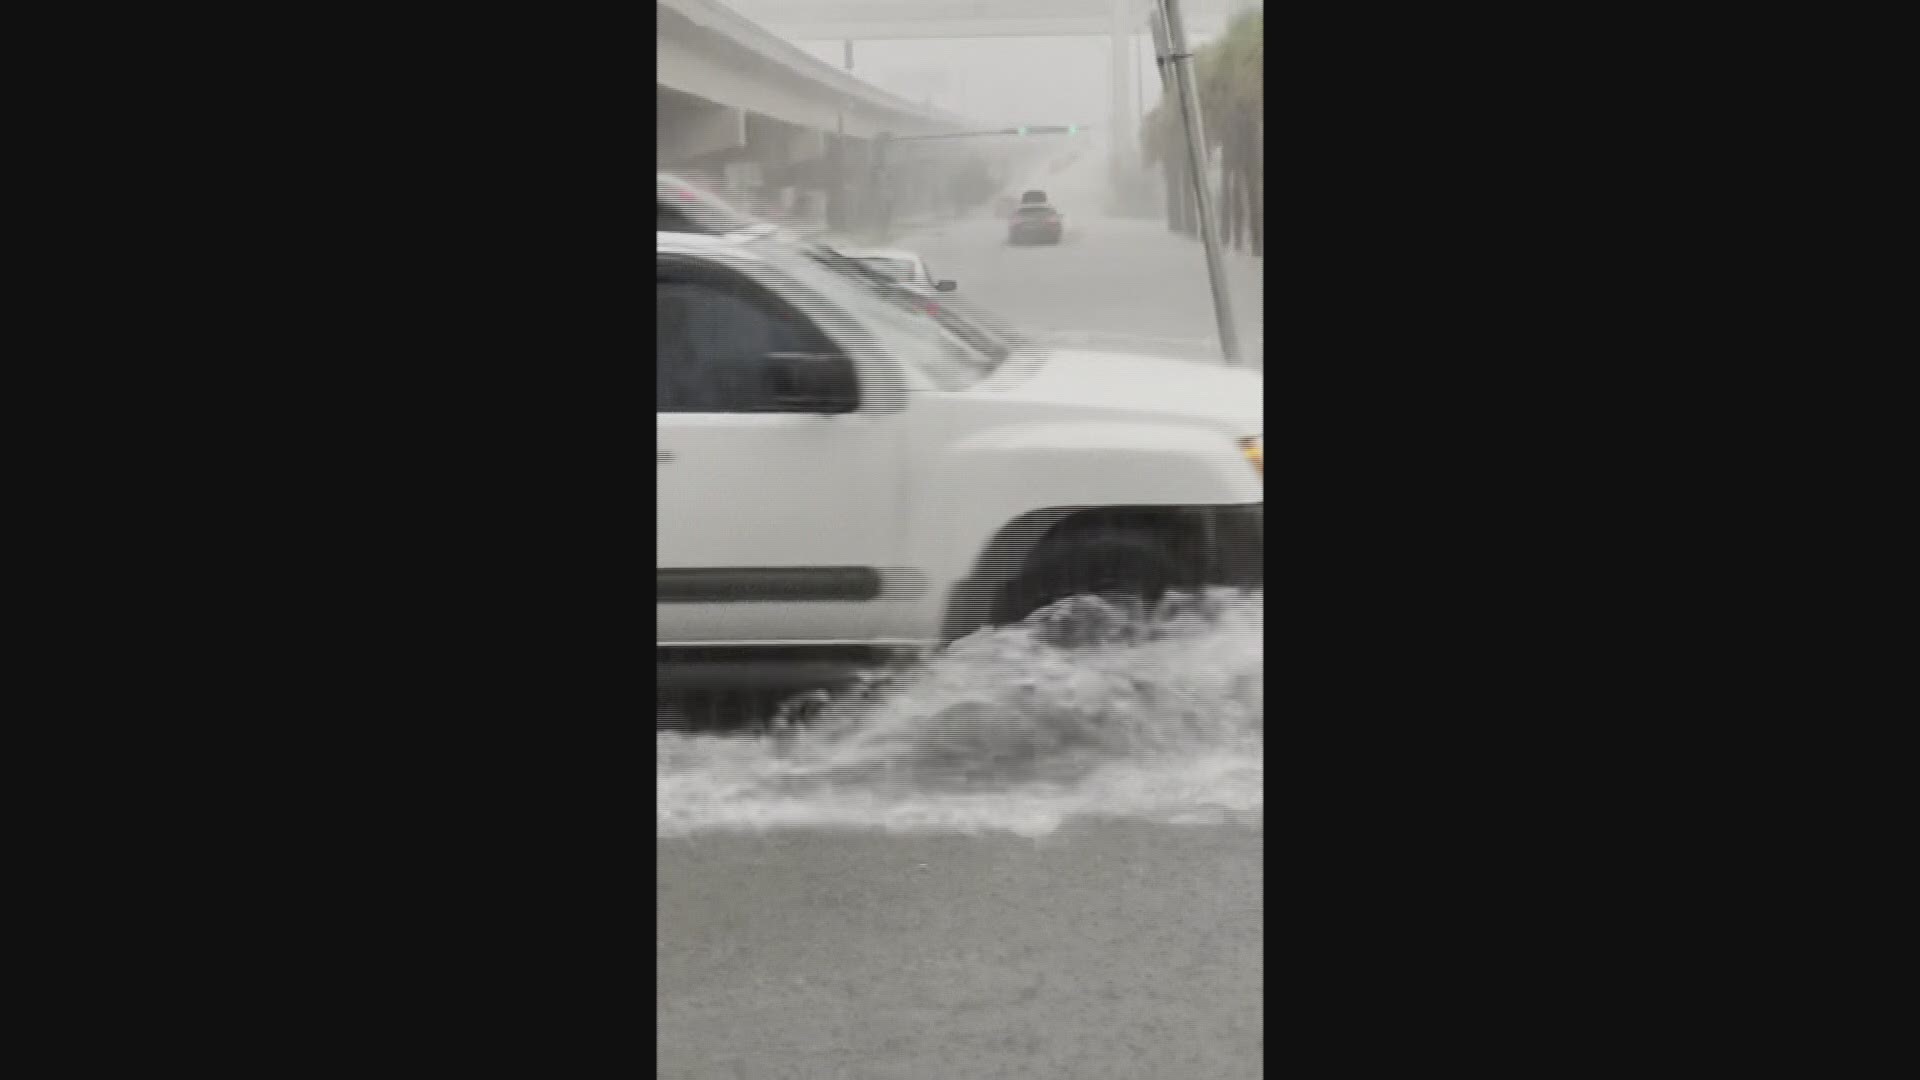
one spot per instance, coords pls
(1001, 81)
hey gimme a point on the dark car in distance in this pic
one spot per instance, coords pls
(1036, 224)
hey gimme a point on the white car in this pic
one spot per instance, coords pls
(836, 473)
(905, 267)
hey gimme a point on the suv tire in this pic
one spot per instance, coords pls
(1130, 570)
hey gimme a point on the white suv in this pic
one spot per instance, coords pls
(836, 473)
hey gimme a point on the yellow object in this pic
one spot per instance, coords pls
(1255, 448)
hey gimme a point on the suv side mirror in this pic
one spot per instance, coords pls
(945, 286)
(822, 383)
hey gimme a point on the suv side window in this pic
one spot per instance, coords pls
(715, 330)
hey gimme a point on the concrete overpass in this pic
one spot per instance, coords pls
(1123, 21)
(883, 20)
(706, 50)
(772, 127)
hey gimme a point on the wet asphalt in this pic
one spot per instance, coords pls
(1111, 951)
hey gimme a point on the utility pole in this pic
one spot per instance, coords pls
(1171, 39)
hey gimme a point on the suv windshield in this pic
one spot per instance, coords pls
(949, 362)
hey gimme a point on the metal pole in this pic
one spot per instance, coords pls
(1197, 152)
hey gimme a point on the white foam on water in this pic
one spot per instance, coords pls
(1009, 730)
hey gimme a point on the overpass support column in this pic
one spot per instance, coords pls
(687, 134)
(773, 142)
(838, 189)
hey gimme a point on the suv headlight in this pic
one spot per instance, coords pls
(1254, 447)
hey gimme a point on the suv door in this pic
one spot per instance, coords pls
(773, 525)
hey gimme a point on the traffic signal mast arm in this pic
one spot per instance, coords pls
(1027, 129)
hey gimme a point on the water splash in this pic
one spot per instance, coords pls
(1084, 711)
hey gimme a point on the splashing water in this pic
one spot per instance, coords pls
(1080, 712)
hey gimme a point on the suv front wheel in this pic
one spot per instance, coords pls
(1130, 570)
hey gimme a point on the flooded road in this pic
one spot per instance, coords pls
(1005, 732)
(1021, 859)
(1114, 283)
(1101, 952)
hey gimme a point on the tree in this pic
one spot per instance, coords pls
(1231, 77)
(1163, 143)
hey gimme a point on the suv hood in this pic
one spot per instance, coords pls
(1189, 388)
